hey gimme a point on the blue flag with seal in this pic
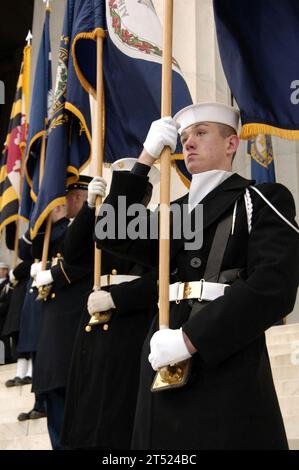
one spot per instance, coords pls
(260, 58)
(260, 151)
(132, 58)
(69, 131)
(38, 121)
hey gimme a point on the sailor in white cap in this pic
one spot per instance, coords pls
(223, 296)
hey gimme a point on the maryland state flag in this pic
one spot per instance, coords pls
(258, 42)
(132, 71)
(260, 151)
(38, 122)
(12, 156)
(69, 132)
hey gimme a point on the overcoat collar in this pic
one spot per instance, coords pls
(217, 202)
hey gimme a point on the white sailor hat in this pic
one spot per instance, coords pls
(126, 164)
(207, 112)
(3, 265)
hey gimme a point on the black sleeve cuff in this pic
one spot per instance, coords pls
(140, 169)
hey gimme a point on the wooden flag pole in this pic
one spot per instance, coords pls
(102, 317)
(49, 220)
(99, 148)
(177, 375)
(43, 291)
(164, 242)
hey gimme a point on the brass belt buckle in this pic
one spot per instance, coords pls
(187, 290)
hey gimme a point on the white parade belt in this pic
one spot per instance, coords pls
(200, 290)
(113, 279)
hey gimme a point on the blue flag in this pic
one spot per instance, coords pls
(38, 121)
(69, 132)
(132, 72)
(260, 151)
(258, 42)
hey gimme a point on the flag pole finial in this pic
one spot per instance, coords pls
(47, 2)
(28, 38)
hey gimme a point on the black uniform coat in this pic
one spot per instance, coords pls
(230, 400)
(104, 377)
(12, 322)
(60, 316)
(5, 293)
(22, 274)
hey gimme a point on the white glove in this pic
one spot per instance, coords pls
(11, 276)
(35, 268)
(43, 278)
(99, 301)
(97, 187)
(167, 348)
(162, 133)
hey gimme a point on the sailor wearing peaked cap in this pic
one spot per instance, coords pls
(61, 311)
(104, 373)
(223, 296)
(82, 183)
(3, 265)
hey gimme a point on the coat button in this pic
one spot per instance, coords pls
(195, 262)
(190, 302)
(53, 295)
(174, 272)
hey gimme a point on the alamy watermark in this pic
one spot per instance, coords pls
(136, 222)
(295, 94)
(2, 353)
(2, 92)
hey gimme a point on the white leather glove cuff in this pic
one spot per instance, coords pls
(35, 268)
(44, 278)
(11, 276)
(97, 187)
(99, 301)
(162, 133)
(167, 348)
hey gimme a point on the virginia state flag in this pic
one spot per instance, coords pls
(132, 71)
(260, 151)
(13, 153)
(69, 131)
(258, 42)
(38, 121)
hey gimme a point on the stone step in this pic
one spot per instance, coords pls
(291, 347)
(289, 406)
(282, 329)
(24, 401)
(292, 426)
(21, 429)
(293, 444)
(10, 416)
(282, 338)
(285, 372)
(287, 387)
(286, 359)
(33, 442)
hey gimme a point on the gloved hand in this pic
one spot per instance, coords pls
(12, 278)
(167, 348)
(97, 187)
(43, 278)
(99, 301)
(162, 133)
(35, 268)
